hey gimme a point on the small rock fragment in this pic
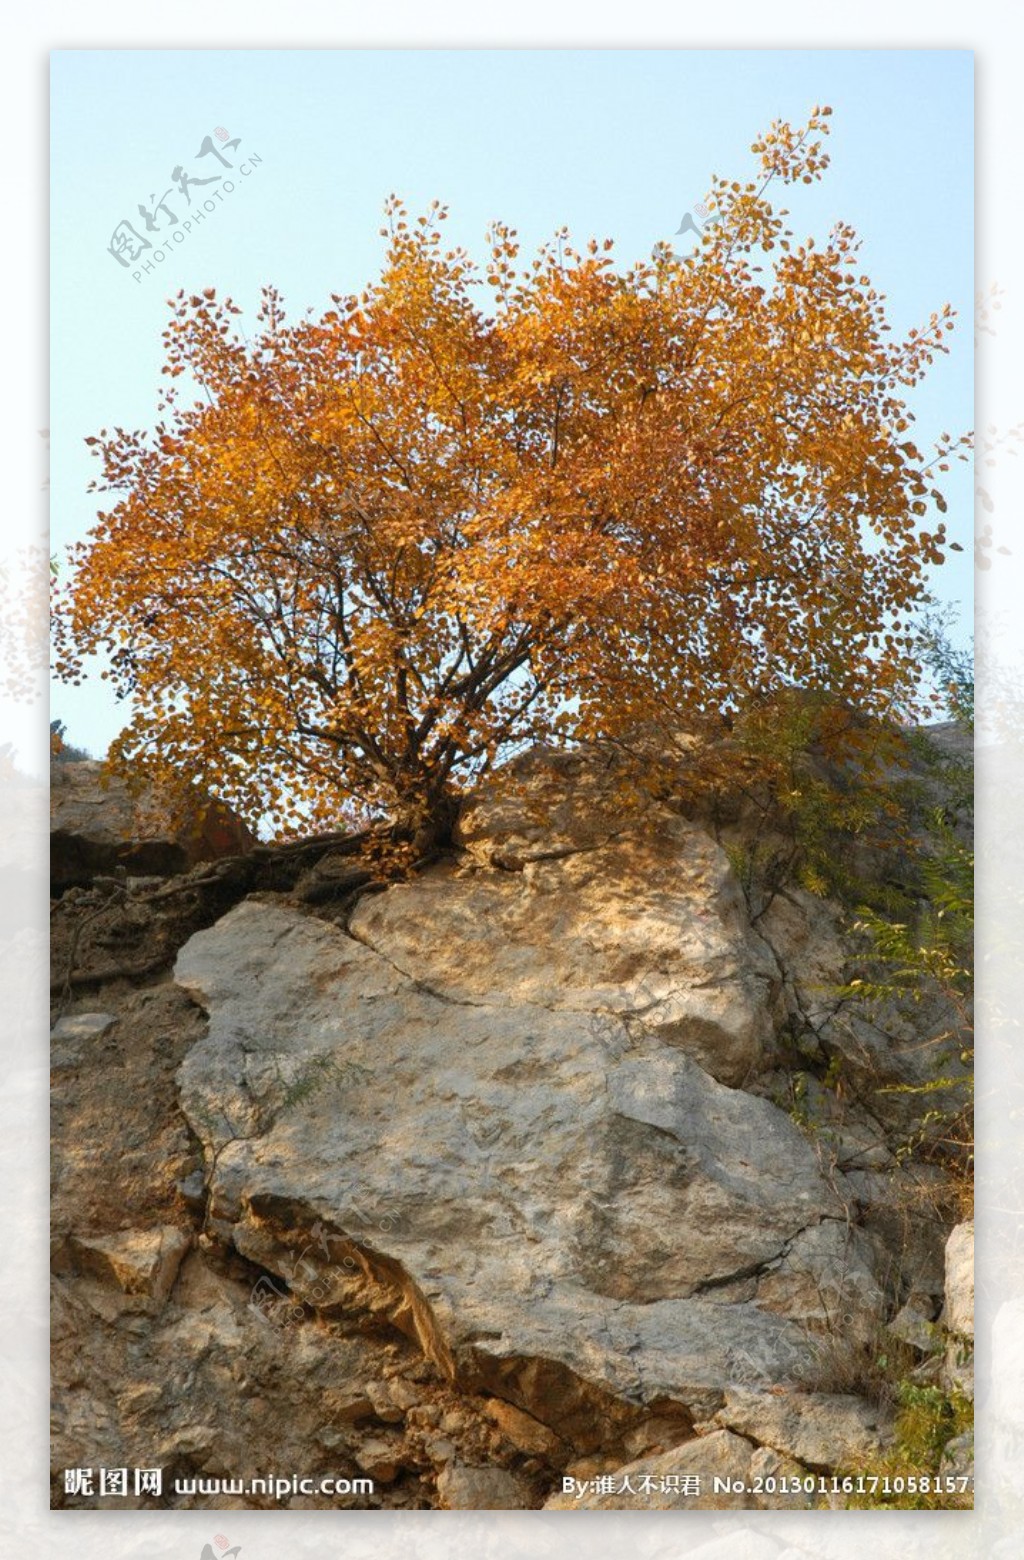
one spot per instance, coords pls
(481, 1489)
(138, 1262)
(82, 1026)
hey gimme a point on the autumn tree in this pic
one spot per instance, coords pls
(364, 556)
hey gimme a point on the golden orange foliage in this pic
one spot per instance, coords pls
(471, 508)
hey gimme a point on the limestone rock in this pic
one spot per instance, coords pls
(641, 919)
(546, 803)
(818, 1429)
(384, 1406)
(72, 1035)
(76, 1028)
(540, 1198)
(138, 1262)
(64, 1058)
(404, 1394)
(778, 1481)
(663, 1429)
(524, 1432)
(665, 1483)
(381, 1458)
(958, 1456)
(481, 1489)
(958, 1314)
(914, 1325)
(803, 932)
(826, 1272)
(98, 826)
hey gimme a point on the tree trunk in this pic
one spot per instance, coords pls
(425, 820)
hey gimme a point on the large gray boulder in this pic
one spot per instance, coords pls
(571, 902)
(562, 1208)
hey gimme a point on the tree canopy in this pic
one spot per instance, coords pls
(367, 554)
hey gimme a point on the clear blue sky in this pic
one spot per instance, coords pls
(611, 143)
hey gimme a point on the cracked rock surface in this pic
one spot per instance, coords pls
(598, 912)
(544, 1183)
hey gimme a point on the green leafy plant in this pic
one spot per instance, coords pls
(915, 959)
(927, 1420)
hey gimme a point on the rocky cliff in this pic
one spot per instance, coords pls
(555, 1174)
